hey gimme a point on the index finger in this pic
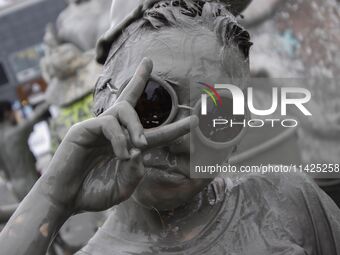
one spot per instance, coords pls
(136, 86)
(170, 132)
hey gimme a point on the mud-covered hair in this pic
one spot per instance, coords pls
(186, 13)
(214, 15)
(183, 14)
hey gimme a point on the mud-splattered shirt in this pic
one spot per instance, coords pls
(261, 215)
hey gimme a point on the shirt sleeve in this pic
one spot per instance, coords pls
(312, 213)
(325, 217)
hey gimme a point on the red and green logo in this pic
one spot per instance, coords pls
(212, 93)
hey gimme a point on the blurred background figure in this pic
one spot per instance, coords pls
(18, 171)
(16, 158)
(71, 75)
(83, 22)
(55, 64)
(69, 65)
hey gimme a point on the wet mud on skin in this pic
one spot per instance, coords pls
(249, 222)
(250, 215)
(245, 222)
(181, 57)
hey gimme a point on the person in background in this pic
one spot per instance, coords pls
(69, 65)
(16, 158)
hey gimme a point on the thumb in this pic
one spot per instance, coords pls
(130, 173)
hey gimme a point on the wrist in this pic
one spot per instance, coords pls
(56, 196)
(33, 225)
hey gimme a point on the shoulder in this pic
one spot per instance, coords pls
(278, 180)
(293, 187)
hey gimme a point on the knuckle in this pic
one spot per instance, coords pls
(76, 127)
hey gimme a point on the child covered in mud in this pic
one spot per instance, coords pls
(140, 166)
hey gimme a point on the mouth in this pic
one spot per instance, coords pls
(172, 171)
(164, 166)
(163, 176)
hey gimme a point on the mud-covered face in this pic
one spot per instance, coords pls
(183, 59)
